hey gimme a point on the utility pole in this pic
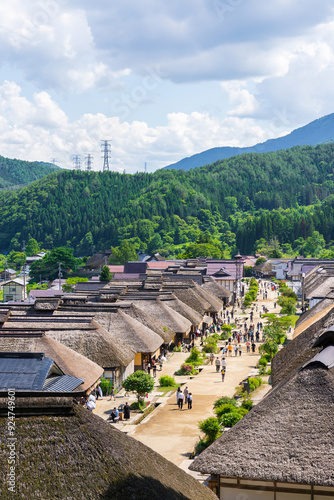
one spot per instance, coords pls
(6, 267)
(145, 167)
(60, 274)
(77, 162)
(24, 272)
(105, 149)
(89, 159)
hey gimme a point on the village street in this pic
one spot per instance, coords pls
(172, 432)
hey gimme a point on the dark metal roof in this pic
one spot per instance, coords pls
(62, 383)
(22, 371)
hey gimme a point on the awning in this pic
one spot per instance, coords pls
(208, 320)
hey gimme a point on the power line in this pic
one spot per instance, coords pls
(106, 149)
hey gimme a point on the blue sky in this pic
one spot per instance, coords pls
(162, 80)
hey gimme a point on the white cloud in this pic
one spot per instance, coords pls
(39, 130)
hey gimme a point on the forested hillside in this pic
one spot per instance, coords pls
(288, 195)
(15, 173)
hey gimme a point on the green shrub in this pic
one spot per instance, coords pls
(210, 345)
(254, 383)
(263, 361)
(242, 411)
(223, 409)
(201, 445)
(106, 386)
(167, 381)
(177, 349)
(247, 403)
(211, 429)
(195, 357)
(224, 400)
(230, 419)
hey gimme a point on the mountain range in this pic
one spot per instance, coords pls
(317, 132)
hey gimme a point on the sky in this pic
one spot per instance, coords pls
(160, 80)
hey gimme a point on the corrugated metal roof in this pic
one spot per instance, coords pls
(20, 371)
(62, 383)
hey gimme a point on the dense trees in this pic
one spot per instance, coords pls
(281, 198)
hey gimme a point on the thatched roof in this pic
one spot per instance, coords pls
(47, 303)
(192, 299)
(300, 350)
(96, 344)
(312, 315)
(287, 437)
(154, 324)
(211, 286)
(177, 305)
(216, 305)
(158, 309)
(127, 329)
(70, 362)
(80, 456)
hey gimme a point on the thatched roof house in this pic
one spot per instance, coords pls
(188, 312)
(69, 361)
(154, 324)
(211, 286)
(301, 349)
(97, 344)
(169, 318)
(284, 444)
(127, 329)
(192, 299)
(73, 454)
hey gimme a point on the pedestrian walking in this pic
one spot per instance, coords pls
(190, 401)
(223, 371)
(223, 364)
(212, 357)
(149, 368)
(112, 395)
(229, 349)
(236, 350)
(186, 392)
(177, 394)
(240, 349)
(253, 347)
(217, 363)
(180, 400)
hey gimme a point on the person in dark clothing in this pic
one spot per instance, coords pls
(190, 401)
(126, 411)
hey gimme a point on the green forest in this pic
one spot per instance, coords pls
(17, 173)
(283, 199)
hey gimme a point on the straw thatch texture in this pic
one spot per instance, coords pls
(165, 315)
(287, 437)
(96, 344)
(81, 457)
(177, 305)
(211, 286)
(154, 324)
(132, 332)
(300, 349)
(69, 361)
(216, 305)
(192, 299)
